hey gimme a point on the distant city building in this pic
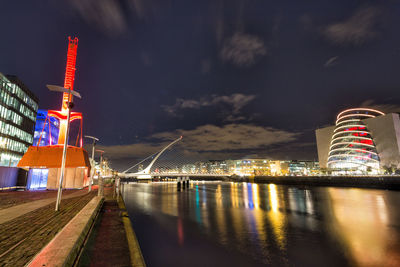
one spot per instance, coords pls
(46, 129)
(279, 167)
(18, 108)
(364, 141)
(217, 166)
(188, 168)
(293, 167)
(248, 167)
(303, 167)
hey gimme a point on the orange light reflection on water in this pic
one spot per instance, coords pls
(360, 219)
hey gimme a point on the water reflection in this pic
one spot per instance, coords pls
(362, 222)
(277, 225)
(276, 217)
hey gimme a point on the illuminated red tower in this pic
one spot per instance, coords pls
(70, 70)
(54, 157)
(68, 83)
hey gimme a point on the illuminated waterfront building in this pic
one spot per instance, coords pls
(18, 107)
(278, 167)
(293, 167)
(363, 141)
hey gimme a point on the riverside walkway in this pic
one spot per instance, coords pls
(33, 234)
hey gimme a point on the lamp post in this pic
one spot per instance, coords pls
(101, 158)
(92, 170)
(70, 92)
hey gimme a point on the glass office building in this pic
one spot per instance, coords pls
(18, 108)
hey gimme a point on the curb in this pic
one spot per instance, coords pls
(66, 245)
(135, 252)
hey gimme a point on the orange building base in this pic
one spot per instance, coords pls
(77, 166)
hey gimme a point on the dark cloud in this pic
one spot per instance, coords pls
(229, 137)
(331, 62)
(211, 139)
(107, 16)
(243, 50)
(356, 30)
(235, 101)
(112, 17)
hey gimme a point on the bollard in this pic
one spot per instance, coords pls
(117, 186)
(179, 183)
(100, 192)
(114, 189)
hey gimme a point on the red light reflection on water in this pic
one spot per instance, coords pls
(180, 232)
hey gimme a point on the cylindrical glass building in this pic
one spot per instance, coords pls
(352, 147)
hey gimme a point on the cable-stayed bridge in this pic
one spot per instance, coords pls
(174, 165)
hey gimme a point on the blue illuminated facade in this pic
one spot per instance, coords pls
(48, 127)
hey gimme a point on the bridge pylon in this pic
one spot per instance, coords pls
(145, 174)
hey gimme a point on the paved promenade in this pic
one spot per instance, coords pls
(17, 210)
(26, 228)
(13, 198)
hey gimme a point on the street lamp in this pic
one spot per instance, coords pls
(92, 170)
(70, 92)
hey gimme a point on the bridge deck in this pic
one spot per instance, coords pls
(152, 175)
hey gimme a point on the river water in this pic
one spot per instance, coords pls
(245, 224)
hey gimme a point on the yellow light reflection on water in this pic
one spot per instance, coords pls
(273, 197)
(220, 215)
(169, 201)
(236, 214)
(256, 199)
(277, 219)
(234, 197)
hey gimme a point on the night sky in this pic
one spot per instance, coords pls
(236, 78)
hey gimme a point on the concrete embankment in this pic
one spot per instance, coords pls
(133, 244)
(381, 182)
